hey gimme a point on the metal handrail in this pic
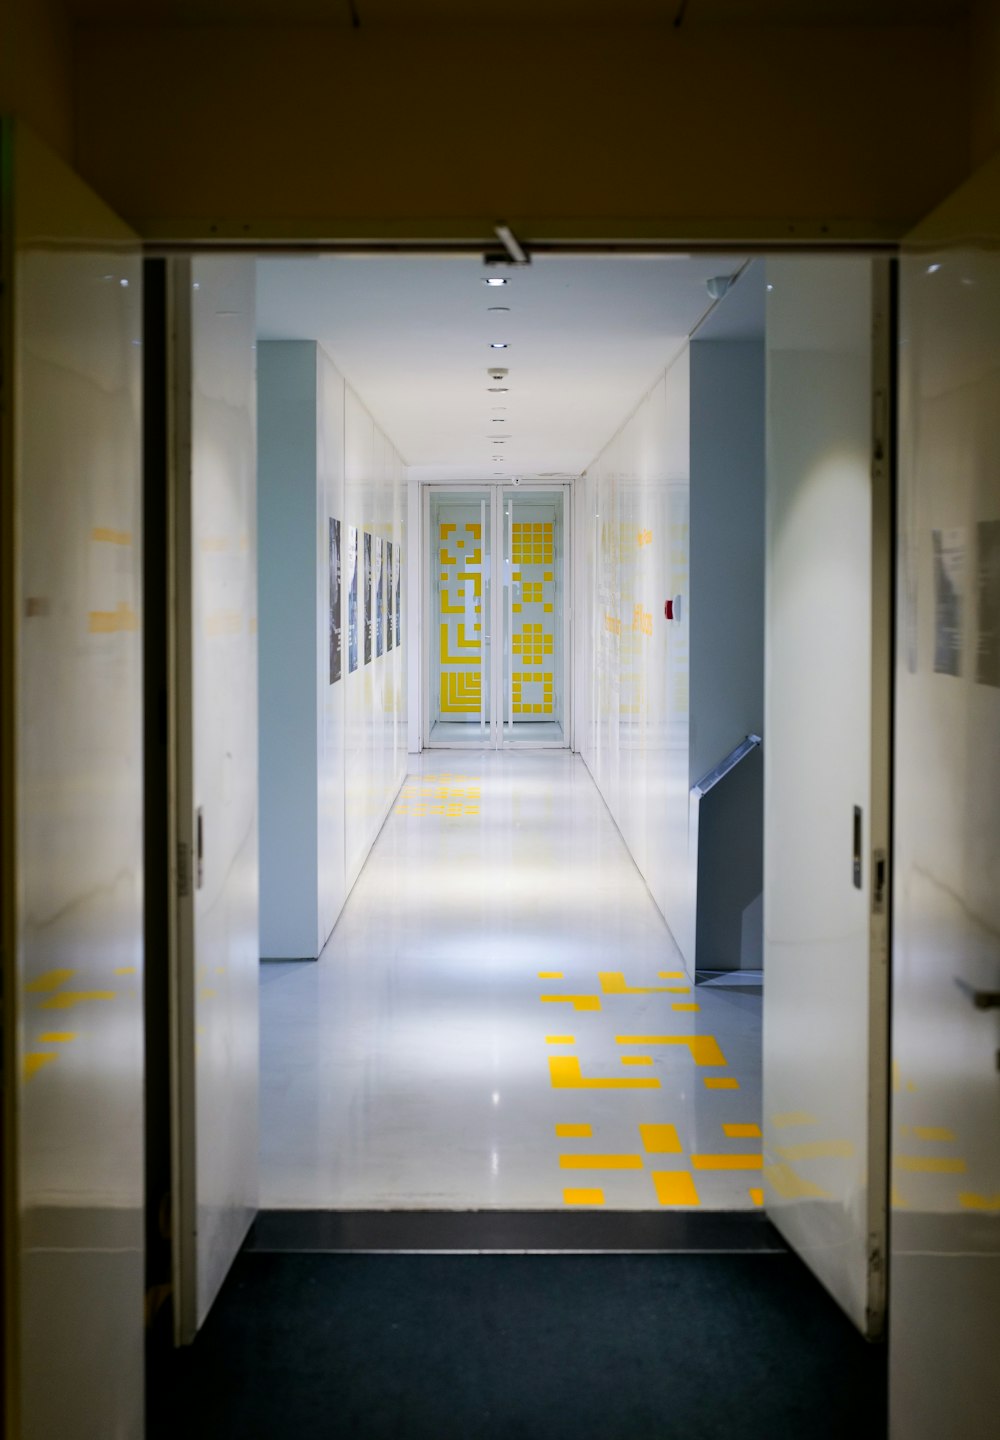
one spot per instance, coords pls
(709, 781)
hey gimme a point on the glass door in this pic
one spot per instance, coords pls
(478, 694)
(460, 594)
(535, 617)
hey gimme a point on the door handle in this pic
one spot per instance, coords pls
(981, 999)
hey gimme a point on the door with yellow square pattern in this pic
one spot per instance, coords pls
(495, 566)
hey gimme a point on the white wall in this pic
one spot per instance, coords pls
(727, 547)
(224, 680)
(288, 494)
(76, 897)
(727, 634)
(375, 695)
(333, 752)
(945, 1263)
(631, 519)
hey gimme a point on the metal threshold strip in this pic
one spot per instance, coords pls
(514, 1232)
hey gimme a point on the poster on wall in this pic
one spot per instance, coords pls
(399, 566)
(367, 578)
(335, 618)
(988, 586)
(352, 598)
(379, 595)
(949, 586)
(389, 582)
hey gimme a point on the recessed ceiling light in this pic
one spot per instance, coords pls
(498, 309)
(495, 280)
(498, 345)
(498, 389)
(499, 422)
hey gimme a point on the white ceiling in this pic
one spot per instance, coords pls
(586, 336)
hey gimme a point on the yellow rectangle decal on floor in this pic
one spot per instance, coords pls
(565, 1074)
(583, 1197)
(578, 1002)
(721, 1082)
(600, 1162)
(675, 1187)
(742, 1132)
(560, 1039)
(727, 1162)
(637, 1059)
(704, 1048)
(574, 1132)
(660, 1139)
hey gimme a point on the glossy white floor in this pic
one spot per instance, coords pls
(501, 1019)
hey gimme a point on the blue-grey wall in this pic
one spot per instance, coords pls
(288, 679)
(727, 639)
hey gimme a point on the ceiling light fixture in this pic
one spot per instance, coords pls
(498, 345)
(498, 309)
(498, 389)
(495, 280)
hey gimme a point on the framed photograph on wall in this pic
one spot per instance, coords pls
(379, 595)
(335, 601)
(369, 615)
(352, 598)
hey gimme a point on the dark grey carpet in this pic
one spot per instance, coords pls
(558, 1347)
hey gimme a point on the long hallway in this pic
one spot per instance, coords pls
(502, 1020)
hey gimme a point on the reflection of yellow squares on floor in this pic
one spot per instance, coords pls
(461, 694)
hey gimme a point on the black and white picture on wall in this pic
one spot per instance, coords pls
(335, 618)
(379, 594)
(399, 566)
(367, 577)
(389, 583)
(352, 598)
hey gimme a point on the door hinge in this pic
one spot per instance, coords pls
(183, 869)
(880, 879)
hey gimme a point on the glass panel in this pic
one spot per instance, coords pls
(534, 625)
(459, 651)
